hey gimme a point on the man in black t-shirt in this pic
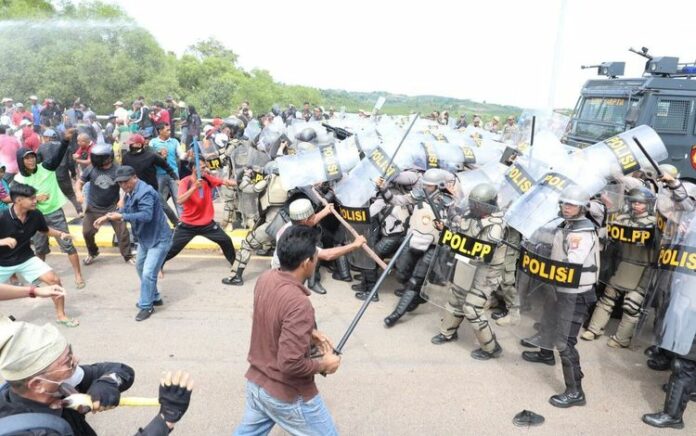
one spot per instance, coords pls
(18, 224)
(103, 197)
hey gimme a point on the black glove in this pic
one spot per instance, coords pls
(174, 400)
(105, 390)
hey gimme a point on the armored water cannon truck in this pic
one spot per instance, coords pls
(663, 98)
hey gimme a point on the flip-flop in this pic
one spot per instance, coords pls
(81, 284)
(70, 322)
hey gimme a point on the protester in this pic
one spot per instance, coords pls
(197, 219)
(18, 224)
(143, 211)
(51, 200)
(41, 370)
(280, 379)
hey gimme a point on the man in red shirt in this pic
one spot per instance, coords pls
(197, 216)
(159, 115)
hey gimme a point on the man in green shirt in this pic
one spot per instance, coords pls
(50, 201)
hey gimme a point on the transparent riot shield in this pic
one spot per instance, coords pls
(539, 204)
(675, 327)
(550, 289)
(327, 162)
(252, 130)
(621, 155)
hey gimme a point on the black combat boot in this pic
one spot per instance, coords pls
(677, 396)
(369, 280)
(542, 356)
(404, 302)
(235, 279)
(314, 284)
(342, 270)
(573, 395)
(480, 354)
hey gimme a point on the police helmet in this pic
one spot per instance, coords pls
(307, 134)
(575, 195)
(483, 200)
(437, 177)
(640, 195)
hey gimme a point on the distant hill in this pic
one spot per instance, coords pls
(402, 104)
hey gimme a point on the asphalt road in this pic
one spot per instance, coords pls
(391, 382)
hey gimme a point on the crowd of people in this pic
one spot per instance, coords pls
(457, 249)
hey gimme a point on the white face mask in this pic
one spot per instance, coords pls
(74, 380)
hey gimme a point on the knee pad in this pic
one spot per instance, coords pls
(631, 307)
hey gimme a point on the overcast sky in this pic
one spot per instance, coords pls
(501, 52)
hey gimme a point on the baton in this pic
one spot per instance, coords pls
(197, 159)
(391, 160)
(83, 402)
(368, 299)
(350, 228)
(531, 139)
(652, 161)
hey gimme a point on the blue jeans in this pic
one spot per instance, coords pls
(149, 263)
(168, 186)
(297, 418)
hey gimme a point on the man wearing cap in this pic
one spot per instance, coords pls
(142, 209)
(121, 112)
(51, 200)
(41, 369)
(36, 112)
(301, 212)
(8, 153)
(18, 224)
(509, 129)
(146, 164)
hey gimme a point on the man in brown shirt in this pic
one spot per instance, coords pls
(280, 386)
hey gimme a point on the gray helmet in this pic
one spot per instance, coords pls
(669, 169)
(275, 110)
(300, 209)
(437, 177)
(483, 200)
(640, 195)
(575, 195)
(306, 135)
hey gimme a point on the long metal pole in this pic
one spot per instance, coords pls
(391, 160)
(375, 288)
(652, 161)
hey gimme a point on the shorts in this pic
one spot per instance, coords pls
(55, 220)
(29, 270)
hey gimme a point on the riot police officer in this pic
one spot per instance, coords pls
(474, 286)
(273, 216)
(573, 242)
(431, 202)
(633, 234)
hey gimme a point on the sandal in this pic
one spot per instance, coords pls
(70, 322)
(80, 284)
(89, 260)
